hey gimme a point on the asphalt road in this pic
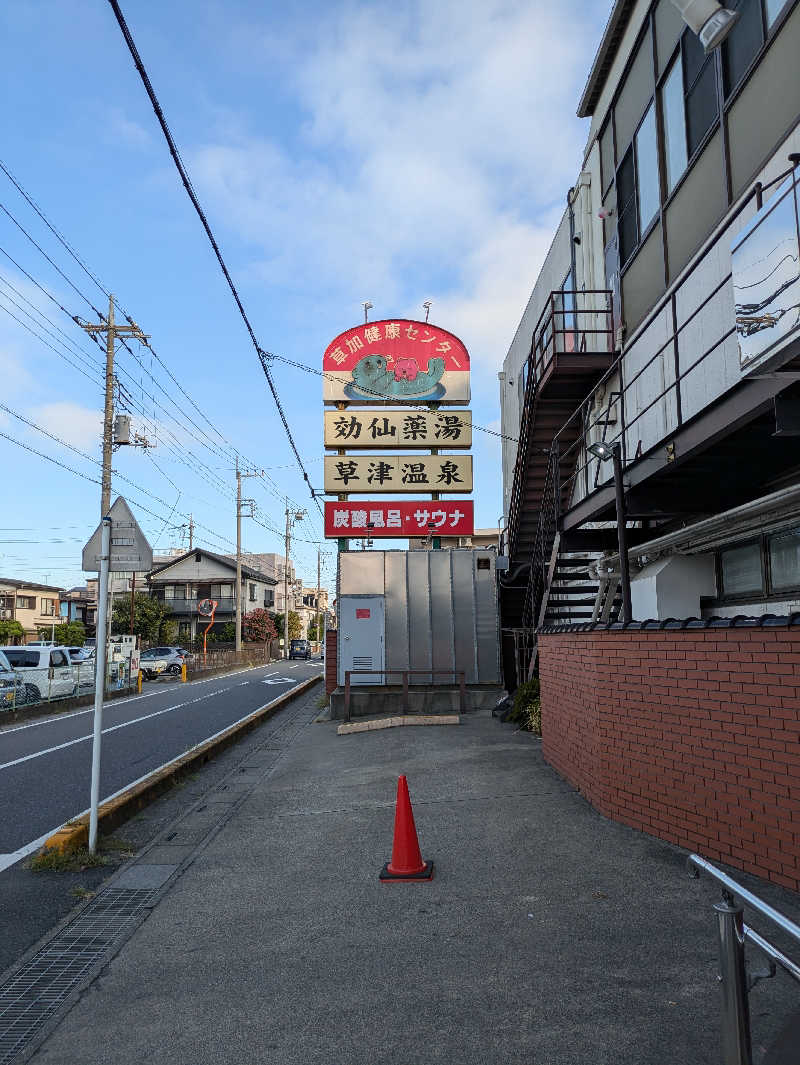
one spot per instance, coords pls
(45, 766)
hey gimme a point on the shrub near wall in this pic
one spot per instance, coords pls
(692, 735)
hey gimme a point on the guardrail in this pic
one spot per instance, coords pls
(735, 982)
(406, 673)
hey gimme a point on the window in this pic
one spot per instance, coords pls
(57, 659)
(169, 591)
(26, 602)
(773, 9)
(627, 224)
(647, 169)
(607, 155)
(252, 593)
(674, 125)
(48, 608)
(700, 81)
(226, 591)
(742, 42)
(741, 570)
(784, 560)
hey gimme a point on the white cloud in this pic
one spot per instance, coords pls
(74, 423)
(125, 131)
(436, 140)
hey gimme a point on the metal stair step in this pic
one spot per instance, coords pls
(578, 589)
(571, 602)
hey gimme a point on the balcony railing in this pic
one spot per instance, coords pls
(669, 371)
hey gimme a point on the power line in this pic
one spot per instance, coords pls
(187, 184)
(75, 366)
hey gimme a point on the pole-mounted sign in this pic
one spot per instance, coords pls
(129, 550)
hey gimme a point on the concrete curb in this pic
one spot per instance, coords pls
(396, 722)
(117, 810)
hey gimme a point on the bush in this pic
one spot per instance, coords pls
(527, 711)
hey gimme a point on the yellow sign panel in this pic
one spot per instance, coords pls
(399, 474)
(398, 429)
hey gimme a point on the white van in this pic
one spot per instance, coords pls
(45, 669)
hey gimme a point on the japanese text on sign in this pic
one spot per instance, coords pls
(394, 429)
(398, 473)
(399, 519)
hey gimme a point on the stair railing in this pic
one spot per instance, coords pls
(546, 531)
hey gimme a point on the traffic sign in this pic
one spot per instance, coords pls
(129, 550)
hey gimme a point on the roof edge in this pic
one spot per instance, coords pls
(606, 53)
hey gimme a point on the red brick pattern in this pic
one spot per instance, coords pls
(692, 736)
(330, 661)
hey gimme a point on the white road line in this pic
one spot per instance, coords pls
(113, 728)
(28, 848)
(121, 702)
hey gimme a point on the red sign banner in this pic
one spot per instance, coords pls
(396, 361)
(437, 517)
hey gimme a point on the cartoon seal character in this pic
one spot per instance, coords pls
(373, 375)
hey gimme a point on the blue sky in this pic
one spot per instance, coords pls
(344, 152)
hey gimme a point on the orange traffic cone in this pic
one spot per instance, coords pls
(406, 863)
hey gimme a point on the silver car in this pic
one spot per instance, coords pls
(158, 661)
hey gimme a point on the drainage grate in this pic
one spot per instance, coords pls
(33, 995)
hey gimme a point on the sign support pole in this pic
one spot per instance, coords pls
(100, 679)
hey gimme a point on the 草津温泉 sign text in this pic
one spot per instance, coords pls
(402, 518)
(398, 473)
(398, 361)
(398, 429)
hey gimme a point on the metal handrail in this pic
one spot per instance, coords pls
(406, 673)
(735, 982)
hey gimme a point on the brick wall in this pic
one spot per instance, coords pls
(691, 735)
(330, 660)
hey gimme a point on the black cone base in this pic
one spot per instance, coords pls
(411, 878)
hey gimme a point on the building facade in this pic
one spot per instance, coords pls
(34, 606)
(184, 582)
(80, 604)
(652, 331)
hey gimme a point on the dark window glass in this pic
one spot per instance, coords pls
(694, 58)
(627, 226)
(607, 155)
(784, 558)
(742, 42)
(701, 107)
(741, 570)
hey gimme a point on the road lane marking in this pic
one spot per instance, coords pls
(28, 848)
(113, 704)
(276, 680)
(113, 728)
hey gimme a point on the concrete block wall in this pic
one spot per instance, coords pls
(690, 735)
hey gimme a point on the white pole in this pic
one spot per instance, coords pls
(99, 679)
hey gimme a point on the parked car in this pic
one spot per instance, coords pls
(12, 686)
(158, 660)
(46, 670)
(300, 649)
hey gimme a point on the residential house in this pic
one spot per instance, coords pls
(80, 604)
(480, 538)
(33, 605)
(185, 581)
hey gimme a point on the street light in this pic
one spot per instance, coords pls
(604, 452)
(710, 21)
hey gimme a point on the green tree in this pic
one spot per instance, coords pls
(227, 632)
(67, 634)
(148, 614)
(168, 633)
(10, 631)
(295, 625)
(258, 625)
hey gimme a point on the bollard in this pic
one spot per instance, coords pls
(183, 672)
(139, 682)
(736, 1044)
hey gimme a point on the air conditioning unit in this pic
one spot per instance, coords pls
(8, 615)
(465, 541)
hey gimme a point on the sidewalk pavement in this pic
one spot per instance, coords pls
(548, 934)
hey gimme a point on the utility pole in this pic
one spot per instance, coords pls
(191, 531)
(112, 331)
(250, 502)
(319, 555)
(298, 516)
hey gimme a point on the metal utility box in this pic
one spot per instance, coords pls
(427, 610)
